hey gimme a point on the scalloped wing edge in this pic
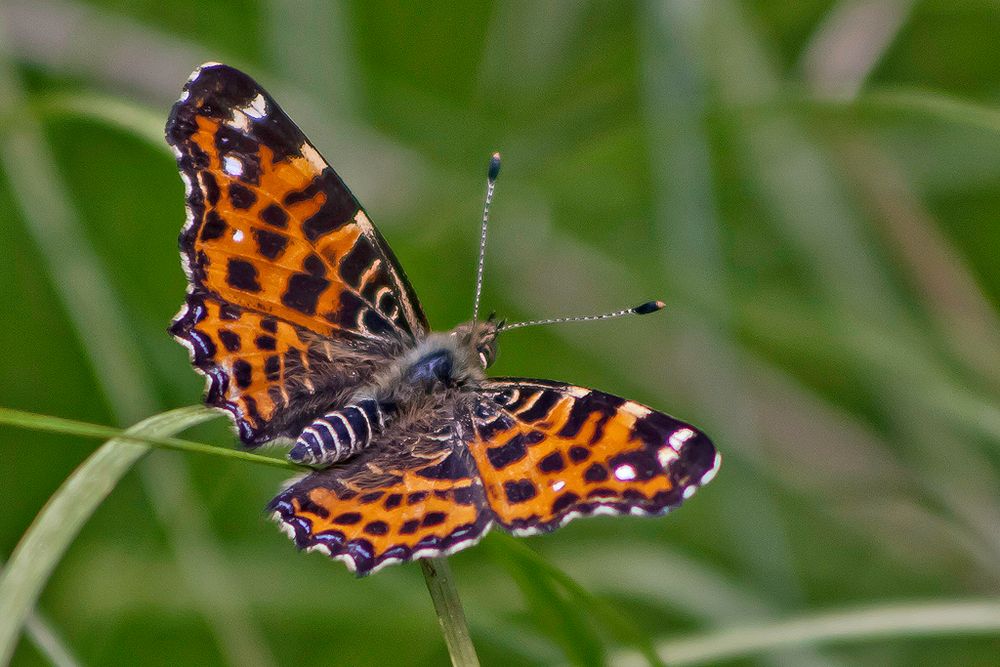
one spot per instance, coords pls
(299, 530)
(216, 381)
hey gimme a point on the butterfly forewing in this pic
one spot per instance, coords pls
(548, 452)
(272, 230)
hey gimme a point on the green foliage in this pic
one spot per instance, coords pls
(820, 218)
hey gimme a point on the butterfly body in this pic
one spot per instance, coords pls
(306, 329)
(442, 362)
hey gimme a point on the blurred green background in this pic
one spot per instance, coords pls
(812, 187)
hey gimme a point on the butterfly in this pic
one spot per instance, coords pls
(307, 330)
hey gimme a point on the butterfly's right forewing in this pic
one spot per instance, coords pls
(548, 452)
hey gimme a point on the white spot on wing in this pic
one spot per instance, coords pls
(710, 475)
(312, 156)
(239, 121)
(257, 108)
(232, 166)
(665, 455)
(679, 437)
(558, 485)
(625, 472)
(238, 235)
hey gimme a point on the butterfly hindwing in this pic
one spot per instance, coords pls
(270, 375)
(548, 452)
(273, 231)
(411, 494)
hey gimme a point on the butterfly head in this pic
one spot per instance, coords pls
(479, 341)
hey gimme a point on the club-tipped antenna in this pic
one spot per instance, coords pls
(641, 309)
(491, 183)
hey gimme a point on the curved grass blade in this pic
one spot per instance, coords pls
(960, 617)
(50, 534)
(548, 586)
(133, 119)
(36, 422)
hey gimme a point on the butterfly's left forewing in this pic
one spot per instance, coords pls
(548, 452)
(286, 271)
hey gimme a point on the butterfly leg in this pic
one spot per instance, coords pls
(340, 434)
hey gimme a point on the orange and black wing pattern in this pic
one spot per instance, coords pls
(548, 452)
(409, 495)
(277, 251)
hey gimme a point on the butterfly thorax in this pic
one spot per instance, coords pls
(411, 385)
(439, 362)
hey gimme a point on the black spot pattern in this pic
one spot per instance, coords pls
(270, 244)
(554, 462)
(347, 518)
(241, 197)
(265, 342)
(272, 368)
(242, 275)
(519, 491)
(595, 473)
(230, 340)
(274, 215)
(304, 289)
(377, 528)
(243, 373)
(510, 452)
(434, 519)
(564, 501)
(214, 227)
(211, 187)
(541, 408)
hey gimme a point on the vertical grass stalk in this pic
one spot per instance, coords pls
(447, 604)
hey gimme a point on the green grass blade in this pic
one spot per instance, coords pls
(554, 614)
(561, 590)
(131, 118)
(51, 424)
(901, 620)
(451, 617)
(48, 642)
(58, 523)
(931, 104)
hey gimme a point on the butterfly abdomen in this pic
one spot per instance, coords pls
(340, 434)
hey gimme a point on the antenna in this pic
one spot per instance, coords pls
(641, 309)
(491, 182)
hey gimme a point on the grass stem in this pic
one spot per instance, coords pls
(447, 604)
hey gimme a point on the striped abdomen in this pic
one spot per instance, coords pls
(339, 434)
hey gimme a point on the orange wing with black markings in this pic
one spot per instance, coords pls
(273, 233)
(407, 496)
(548, 452)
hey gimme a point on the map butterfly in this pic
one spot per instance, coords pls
(307, 329)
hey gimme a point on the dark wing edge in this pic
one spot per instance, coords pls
(685, 454)
(201, 352)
